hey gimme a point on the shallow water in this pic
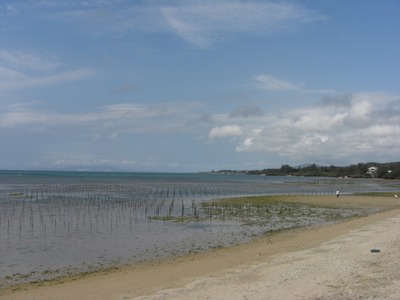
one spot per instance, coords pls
(58, 223)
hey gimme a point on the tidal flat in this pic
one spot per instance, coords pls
(54, 226)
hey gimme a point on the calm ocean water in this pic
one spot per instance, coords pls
(58, 223)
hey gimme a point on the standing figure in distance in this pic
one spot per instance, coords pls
(337, 193)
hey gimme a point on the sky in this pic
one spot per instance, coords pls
(198, 85)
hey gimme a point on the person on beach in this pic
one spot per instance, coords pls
(337, 193)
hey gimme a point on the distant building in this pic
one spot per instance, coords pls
(372, 171)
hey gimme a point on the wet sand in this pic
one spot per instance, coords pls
(330, 262)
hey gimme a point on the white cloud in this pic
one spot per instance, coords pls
(364, 127)
(271, 83)
(21, 81)
(354, 132)
(383, 130)
(200, 23)
(225, 131)
(8, 9)
(361, 109)
(23, 70)
(108, 121)
(28, 60)
(315, 119)
(7, 74)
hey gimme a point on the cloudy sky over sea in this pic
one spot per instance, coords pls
(198, 85)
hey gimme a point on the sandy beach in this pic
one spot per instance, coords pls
(329, 262)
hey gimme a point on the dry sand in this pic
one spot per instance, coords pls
(331, 262)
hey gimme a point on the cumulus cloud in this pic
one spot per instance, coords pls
(353, 130)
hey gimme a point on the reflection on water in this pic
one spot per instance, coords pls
(54, 223)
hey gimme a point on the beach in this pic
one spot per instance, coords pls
(334, 261)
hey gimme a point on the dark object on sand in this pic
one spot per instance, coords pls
(375, 250)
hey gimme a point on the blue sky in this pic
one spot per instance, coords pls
(184, 86)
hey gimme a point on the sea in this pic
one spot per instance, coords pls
(55, 223)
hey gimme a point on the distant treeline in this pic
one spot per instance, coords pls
(362, 170)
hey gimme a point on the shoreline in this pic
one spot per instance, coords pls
(182, 274)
